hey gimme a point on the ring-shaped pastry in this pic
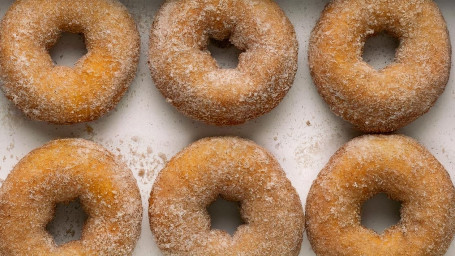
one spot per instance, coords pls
(406, 172)
(62, 171)
(60, 94)
(187, 75)
(237, 170)
(387, 99)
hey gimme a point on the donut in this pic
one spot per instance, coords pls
(237, 170)
(60, 94)
(378, 101)
(62, 171)
(188, 77)
(372, 164)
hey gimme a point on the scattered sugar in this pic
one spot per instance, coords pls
(10, 146)
(141, 159)
(308, 152)
(89, 129)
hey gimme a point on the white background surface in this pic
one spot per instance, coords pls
(301, 132)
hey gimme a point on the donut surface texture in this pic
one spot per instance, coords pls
(60, 94)
(187, 75)
(387, 99)
(62, 171)
(406, 172)
(236, 170)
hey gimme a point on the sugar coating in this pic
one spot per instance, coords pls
(387, 99)
(186, 74)
(61, 171)
(372, 164)
(59, 94)
(237, 170)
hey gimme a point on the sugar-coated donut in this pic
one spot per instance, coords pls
(59, 94)
(397, 166)
(61, 171)
(388, 99)
(237, 170)
(186, 74)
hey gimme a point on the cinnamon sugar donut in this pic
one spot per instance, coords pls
(388, 99)
(369, 165)
(59, 94)
(237, 170)
(61, 171)
(186, 74)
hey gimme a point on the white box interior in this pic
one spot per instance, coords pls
(301, 132)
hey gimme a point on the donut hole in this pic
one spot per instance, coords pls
(380, 212)
(380, 49)
(225, 215)
(68, 222)
(69, 48)
(224, 52)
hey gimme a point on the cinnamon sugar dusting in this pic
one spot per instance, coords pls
(61, 171)
(391, 164)
(59, 94)
(236, 170)
(186, 74)
(387, 99)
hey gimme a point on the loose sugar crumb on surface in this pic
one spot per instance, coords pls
(89, 129)
(141, 158)
(10, 146)
(308, 152)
